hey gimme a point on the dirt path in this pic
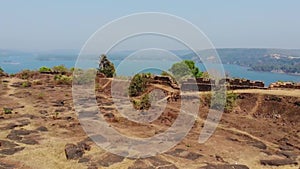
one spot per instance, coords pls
(163, 87)
(257, 104)
(280, 92)
(12, 90)
(237, 131)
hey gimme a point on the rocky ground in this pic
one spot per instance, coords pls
(40, 129)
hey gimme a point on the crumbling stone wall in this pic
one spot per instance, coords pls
(286, 85)
(232, 84)
(164, 80)
(196, 87)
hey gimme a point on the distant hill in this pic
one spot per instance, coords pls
(61, 54)
(258, 59)
(271, 60)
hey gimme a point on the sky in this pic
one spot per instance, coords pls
(35, 25)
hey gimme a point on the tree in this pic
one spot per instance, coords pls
(106, 67)
(195, 70)
(185, 68)
(1, 70)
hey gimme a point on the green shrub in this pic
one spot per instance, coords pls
(142, 104)
(41, 95)
(230, 101)
(205, 75)
(138, 84)
(60, 69)
(7, 110)
(2, 73)
(216, 101)
(37, 82)
(45, 69)
(25, 74)
(84, 76)
(145, 102)
(63, 79)
(26, 84)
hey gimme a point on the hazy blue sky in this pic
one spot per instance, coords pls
(56, 24)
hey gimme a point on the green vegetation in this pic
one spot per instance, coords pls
(138, 84)
(60, 69)
(230, 101)
(106, 67)
(164, 73)
(216, 101)
(63, 79)
(143, 103)
(185, 69)
(205, 75)
(41, 95)
(45, 69)
(56, 115)
(26, 84)
(137, 87)
(7, 110)
(37, 82)
(26, 74)
(84, 76)
(2, 73)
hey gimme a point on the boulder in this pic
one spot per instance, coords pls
(73, 152)
(278, 162)
(6, 166)
(140, 164)
(29, 141)
(7, 144)
(84, 146)
(43, 112)
(110, 159)
(225, 166)
(42, 129)
(84, 160)
(11, 151)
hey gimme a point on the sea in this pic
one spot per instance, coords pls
(14, 64)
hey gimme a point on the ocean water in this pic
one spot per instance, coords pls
(14, 64)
